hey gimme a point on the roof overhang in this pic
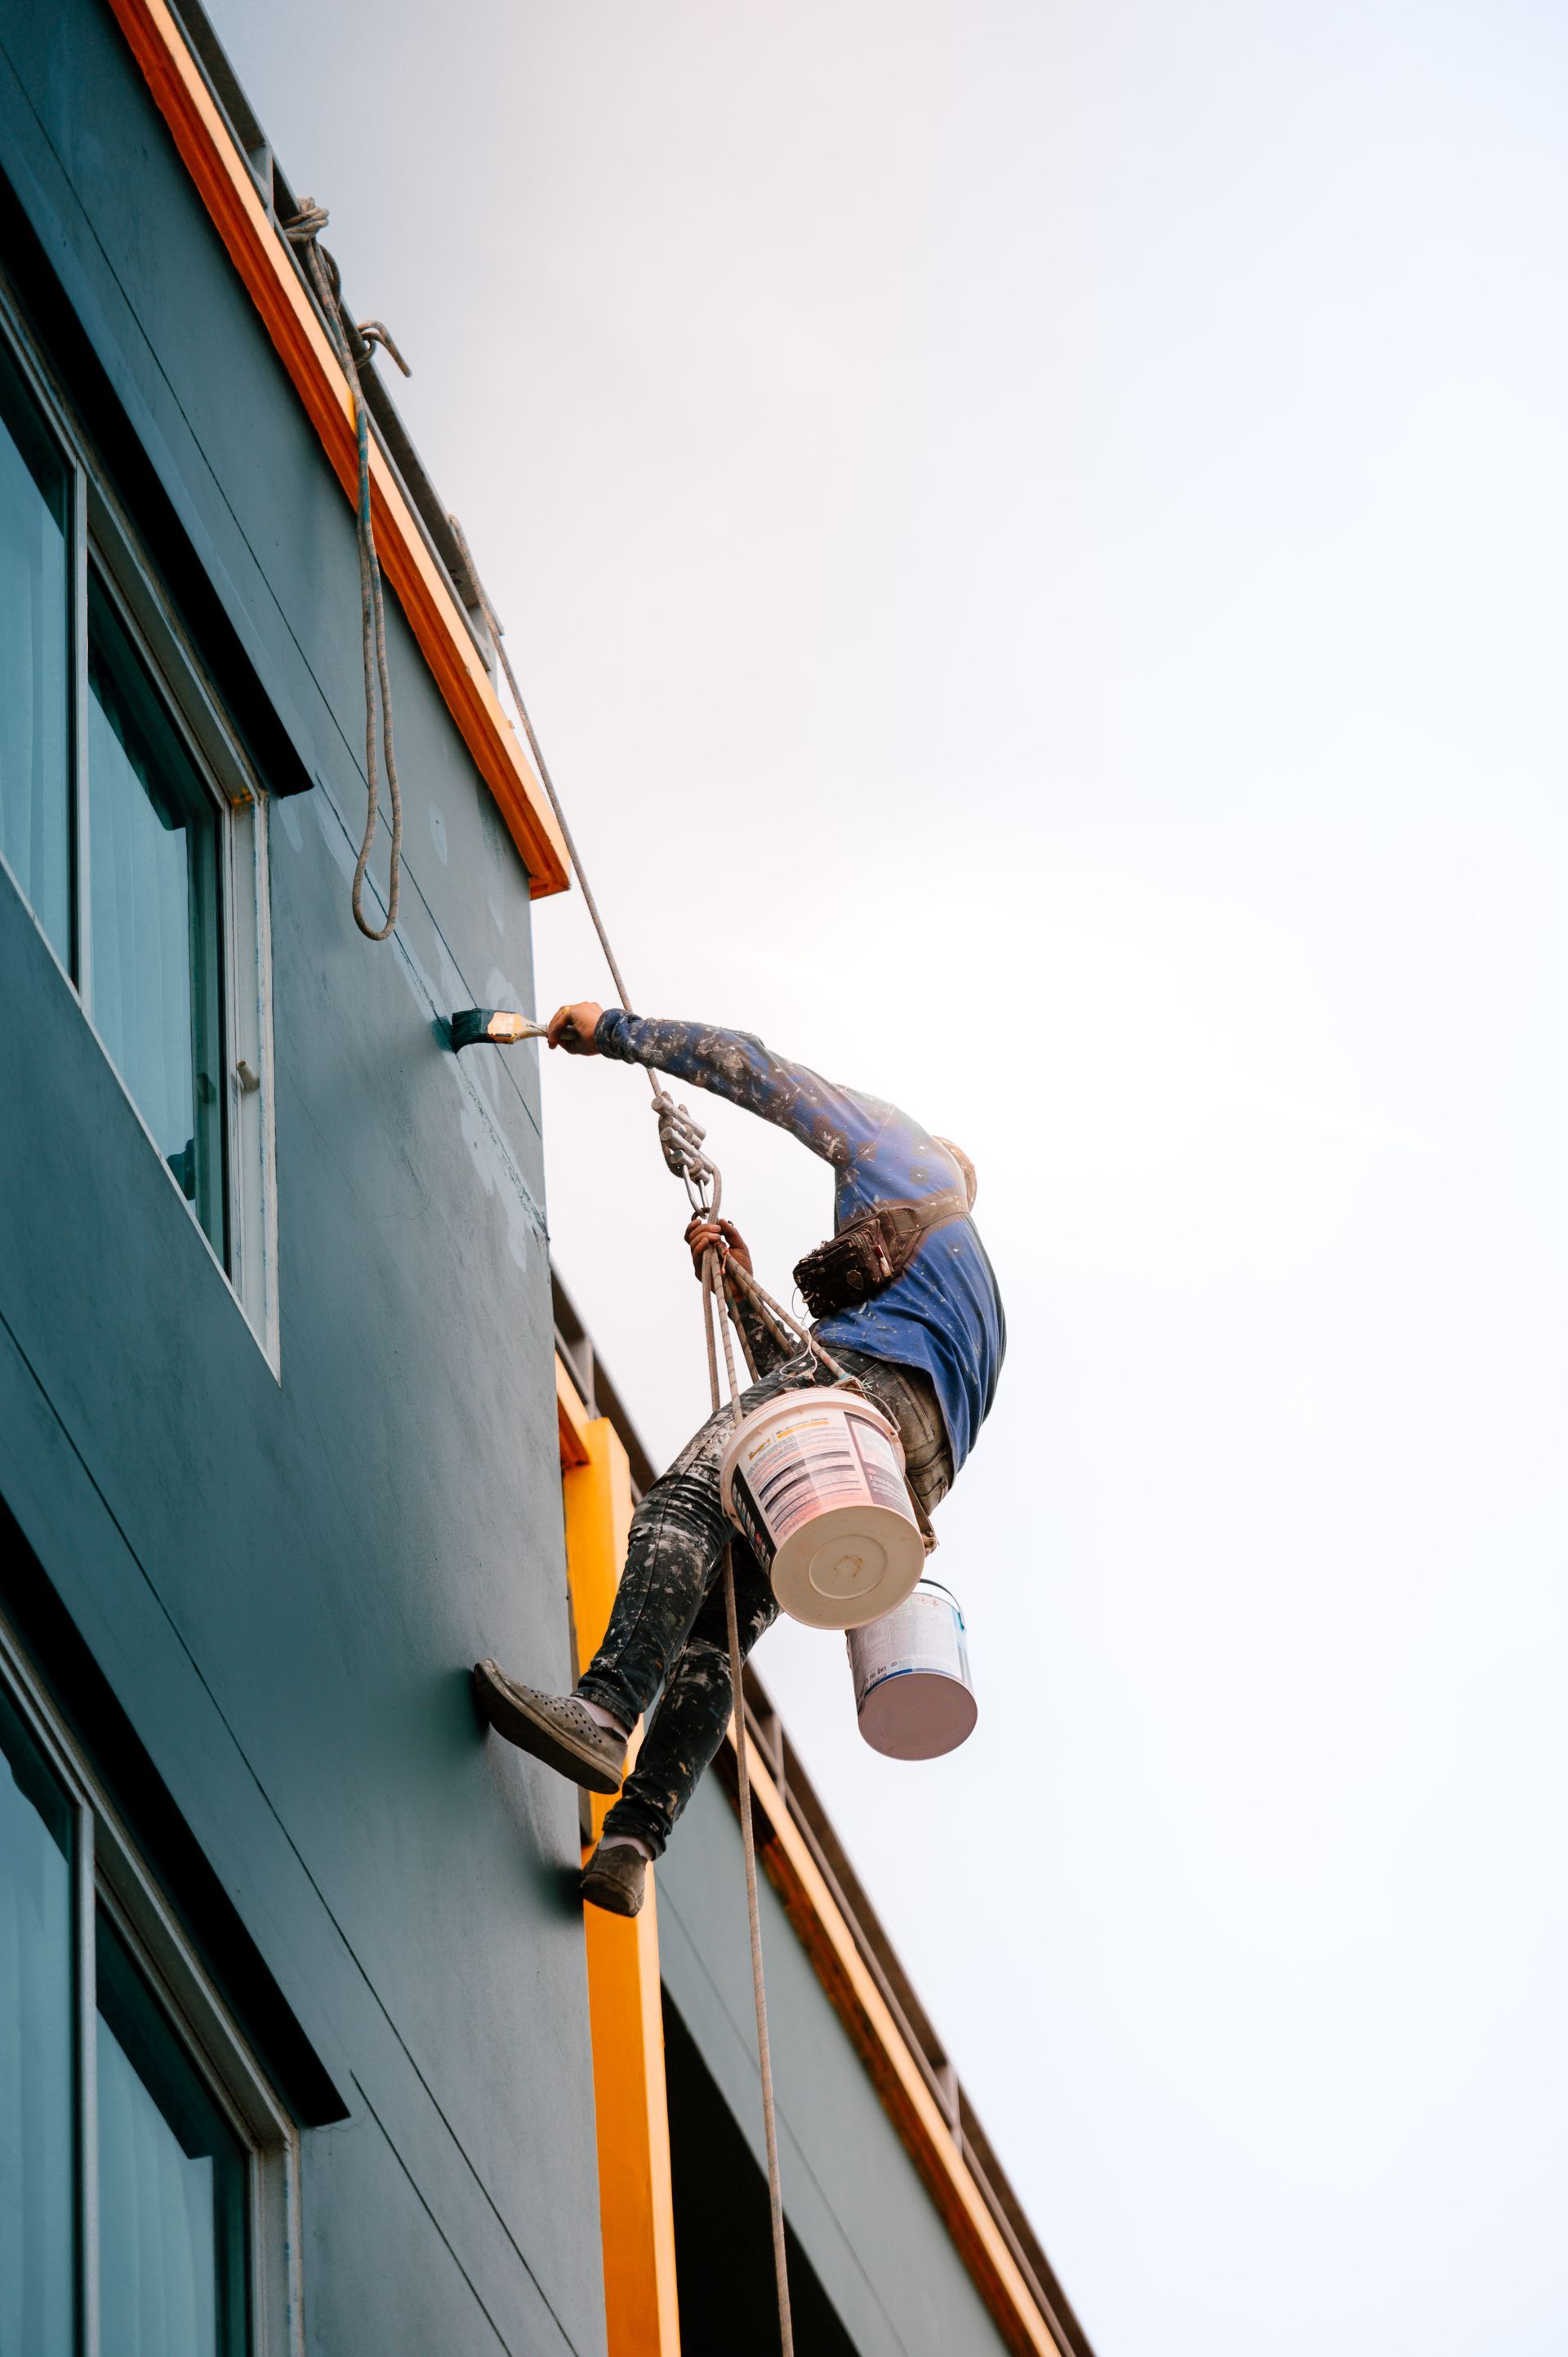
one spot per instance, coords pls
(223, 179)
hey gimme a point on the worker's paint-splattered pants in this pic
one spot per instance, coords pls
(668, 1629)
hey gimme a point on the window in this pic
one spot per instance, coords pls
(173, 2229)
(153, 915)
(38, 2045)
(134, 829)
(127, 2099)
(35, 660)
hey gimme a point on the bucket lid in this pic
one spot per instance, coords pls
(847, 1565)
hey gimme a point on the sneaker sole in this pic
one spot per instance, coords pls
(600, 1891)
(514, 1720)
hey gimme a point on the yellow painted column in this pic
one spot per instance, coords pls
(636, 2208)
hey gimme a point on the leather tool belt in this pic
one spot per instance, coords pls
(872, 1249)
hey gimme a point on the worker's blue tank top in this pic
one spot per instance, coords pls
(944, 1314)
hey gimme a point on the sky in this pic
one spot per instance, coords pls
(1037, 540)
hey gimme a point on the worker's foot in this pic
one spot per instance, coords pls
(557, 1728)
(615, 1877)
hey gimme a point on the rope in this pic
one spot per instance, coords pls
(742, 1337)
(353, 346)
(713, 1307)
(680, 1135)
(777, 1316)
(498, 632)
(681, 1142)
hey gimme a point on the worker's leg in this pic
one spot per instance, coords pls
(692, 1717)
(678, 1534)
(909, 1398)
(689, 1724)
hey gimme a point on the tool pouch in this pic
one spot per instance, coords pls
(871, 1250)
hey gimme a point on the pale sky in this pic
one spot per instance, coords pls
(1036, 537)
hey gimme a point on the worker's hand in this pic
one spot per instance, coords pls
(732, 1245)
(573, 1027)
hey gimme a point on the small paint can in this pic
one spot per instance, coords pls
(912, 1690)
(814, 1481)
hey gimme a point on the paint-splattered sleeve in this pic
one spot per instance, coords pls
(834, 1122)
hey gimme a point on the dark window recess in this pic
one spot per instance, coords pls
(35, 570)
(155, 899)
(98, 1724)
(172, 2184)
(139, 490)
(38, 2089)
(724, 2239)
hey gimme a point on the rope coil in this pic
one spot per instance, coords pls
(354, 346)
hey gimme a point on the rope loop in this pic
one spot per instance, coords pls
(304, 232)
(307, 223)
(375, 331)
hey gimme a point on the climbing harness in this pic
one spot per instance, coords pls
(354, 345)
(872, 1249)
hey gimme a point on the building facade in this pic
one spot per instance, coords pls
(303, 2041)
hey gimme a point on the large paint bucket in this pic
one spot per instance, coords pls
(912, 1689)
(814, 1481)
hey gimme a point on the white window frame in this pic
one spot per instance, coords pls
(110, 1876)
(107, 548)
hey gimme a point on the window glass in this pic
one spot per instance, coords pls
(35, 661)
(152, 834)
(172, 2184)
(37, 2305)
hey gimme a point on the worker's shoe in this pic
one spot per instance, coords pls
(554, 1727)
(614, 1878)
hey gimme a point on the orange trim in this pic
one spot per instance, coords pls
(572, 1419)
(626, 2015)
(907, 2099)
(631, 2110)
(256, 248)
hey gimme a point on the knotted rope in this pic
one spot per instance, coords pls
(353, 346)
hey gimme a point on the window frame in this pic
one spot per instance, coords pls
(106, 550)
(108, 1874)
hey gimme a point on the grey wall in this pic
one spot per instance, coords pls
(856, 2206)
(285, 1580)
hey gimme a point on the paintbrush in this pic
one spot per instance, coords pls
(475, 1027)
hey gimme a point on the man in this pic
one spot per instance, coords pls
(925, 1342)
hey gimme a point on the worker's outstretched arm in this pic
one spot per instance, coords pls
(833, 1122)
